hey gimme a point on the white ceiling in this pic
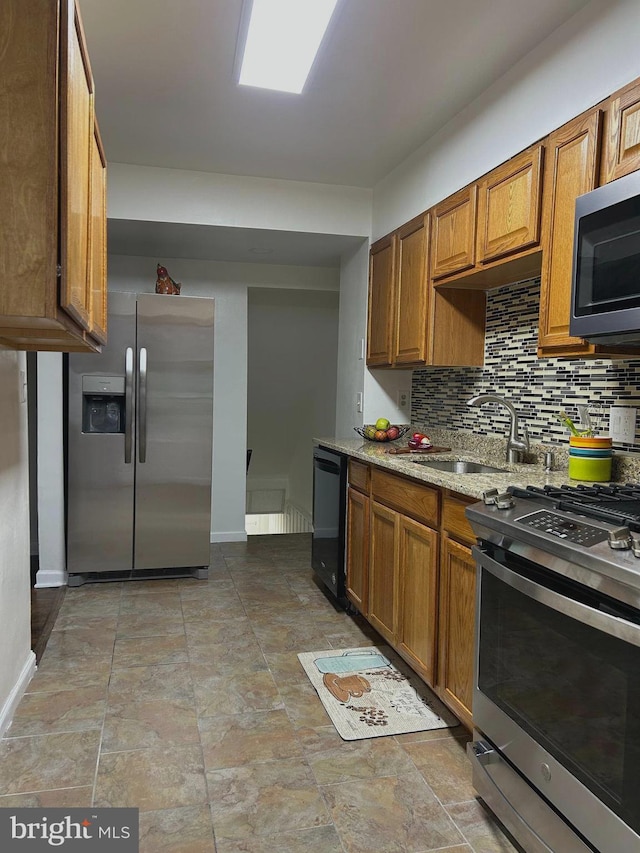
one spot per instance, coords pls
(390, 73)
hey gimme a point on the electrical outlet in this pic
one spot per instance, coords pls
(404, 400)
(359, 401)
(622, 424)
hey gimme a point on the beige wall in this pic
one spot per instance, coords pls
(16, 658)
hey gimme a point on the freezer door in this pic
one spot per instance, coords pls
(100, 481)
(175, 431)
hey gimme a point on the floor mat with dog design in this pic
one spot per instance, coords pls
(370, 691)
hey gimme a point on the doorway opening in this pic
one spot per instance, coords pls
(291, 398)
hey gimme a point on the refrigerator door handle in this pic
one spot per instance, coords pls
(142, 407)
(128, 402)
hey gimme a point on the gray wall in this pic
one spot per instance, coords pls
(291, 389)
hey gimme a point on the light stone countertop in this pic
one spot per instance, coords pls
(473, 448)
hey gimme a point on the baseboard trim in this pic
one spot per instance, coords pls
(50, 577)
(228, 536)
(13, 700)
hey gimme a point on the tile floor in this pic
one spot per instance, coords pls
(186, 699)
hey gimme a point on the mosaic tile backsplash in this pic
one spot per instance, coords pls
(538, 388)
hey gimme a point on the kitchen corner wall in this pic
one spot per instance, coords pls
(17, 661)
(539, 388)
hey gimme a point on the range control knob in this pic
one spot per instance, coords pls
(504, 501)
(620, 539)
(635, 546)
(489, 497)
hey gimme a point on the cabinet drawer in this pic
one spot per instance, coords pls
(359, 475)
(413, 499)
(454, 521)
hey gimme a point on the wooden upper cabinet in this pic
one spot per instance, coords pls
(76, 144)
(571, 170)
(380, 327)
(509, 206)
(453, 233)
(50, 241)
(98, 240)
(621, 153)
(412, 293)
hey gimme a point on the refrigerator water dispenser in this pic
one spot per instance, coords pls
(103, 404)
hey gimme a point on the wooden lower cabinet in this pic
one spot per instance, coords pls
(358, 549)
(403, 586)
(418, 566)
(383, 574)
(415, 585)
(457, 600)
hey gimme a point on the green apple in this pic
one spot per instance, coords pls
(382, 423)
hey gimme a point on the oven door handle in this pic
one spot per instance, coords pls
(613, 625)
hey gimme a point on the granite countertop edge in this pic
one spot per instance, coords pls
(485, 452)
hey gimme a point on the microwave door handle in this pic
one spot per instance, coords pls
(613, 625)
(128, 405)
(142, 407)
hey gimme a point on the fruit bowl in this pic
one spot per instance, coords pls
(381, 435)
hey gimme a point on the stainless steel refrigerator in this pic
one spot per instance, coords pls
(140, 434)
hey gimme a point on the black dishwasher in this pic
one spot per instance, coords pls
(329, 519)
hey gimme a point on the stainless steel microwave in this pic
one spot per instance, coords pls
(605, 296)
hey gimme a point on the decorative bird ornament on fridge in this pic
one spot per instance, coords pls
(165, 284)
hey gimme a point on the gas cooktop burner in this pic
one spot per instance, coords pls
(619, 504)
(590, 533)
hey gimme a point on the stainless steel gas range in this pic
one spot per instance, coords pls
(556, 702)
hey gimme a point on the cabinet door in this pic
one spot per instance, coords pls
(453, 233)
(509, 207)
(571, 170)
(457, 599)
(75, 168)
(357, 549)
(98, 240)
(412, 293)
(382, 262)
(622, 135)
(418, 562)
(383, 574)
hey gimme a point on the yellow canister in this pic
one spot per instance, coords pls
(595, 470)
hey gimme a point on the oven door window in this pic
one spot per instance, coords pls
(573, 688)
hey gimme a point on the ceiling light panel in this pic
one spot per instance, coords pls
(282, 42)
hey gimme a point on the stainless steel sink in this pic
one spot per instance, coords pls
(460, 467)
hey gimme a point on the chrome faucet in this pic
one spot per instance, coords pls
(515, 446)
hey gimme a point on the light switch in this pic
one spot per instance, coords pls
(359, 401)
